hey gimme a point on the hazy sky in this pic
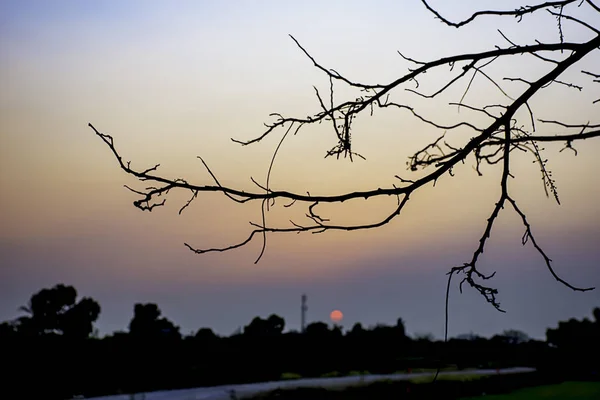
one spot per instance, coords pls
(173, 80)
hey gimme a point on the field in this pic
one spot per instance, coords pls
(463, 386)
(565, 390)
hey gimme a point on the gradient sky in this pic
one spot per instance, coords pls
(173, 80)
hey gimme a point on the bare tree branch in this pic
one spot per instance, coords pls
(491, 144)
(518, 13)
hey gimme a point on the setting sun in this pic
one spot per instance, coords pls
(336, 316)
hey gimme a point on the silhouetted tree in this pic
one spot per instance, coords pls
(513, 336)
(578, 344)
(206, 335)
(336, 330)
(389, 333)
(147, 323)
(56, 311)
(468, 336)
(357, 330)
(276, 324)
(425, 337)
(256, 327)
(271, 326)
(8, 329)
(400, 329)
(318, 329)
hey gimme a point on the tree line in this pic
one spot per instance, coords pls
(55, 345)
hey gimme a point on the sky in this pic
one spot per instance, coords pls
(175, 80)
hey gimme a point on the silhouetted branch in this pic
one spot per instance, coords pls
(594, 6)
(518, 13)
(529, 236)
(318, 227)
(491, 144)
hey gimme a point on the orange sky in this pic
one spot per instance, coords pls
(173, 82)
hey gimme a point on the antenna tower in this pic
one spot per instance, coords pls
(303, 310)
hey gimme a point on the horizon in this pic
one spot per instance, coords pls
(171, 82)
(345, 328)
(331, 323)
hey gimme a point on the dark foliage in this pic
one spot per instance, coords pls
(57, 354)
(576, 346)
(56, 310)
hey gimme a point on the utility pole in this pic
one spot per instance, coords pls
(303, 309)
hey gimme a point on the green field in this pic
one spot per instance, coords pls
(565, 390)
(450, 388)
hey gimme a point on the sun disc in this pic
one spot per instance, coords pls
(336, 316)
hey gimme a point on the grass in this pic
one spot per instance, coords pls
(462, 377)
(290, 376)
(565, 390)
(537, 386)
(358, 373)
(332, 374)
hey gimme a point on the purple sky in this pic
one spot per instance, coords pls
(171, 81)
